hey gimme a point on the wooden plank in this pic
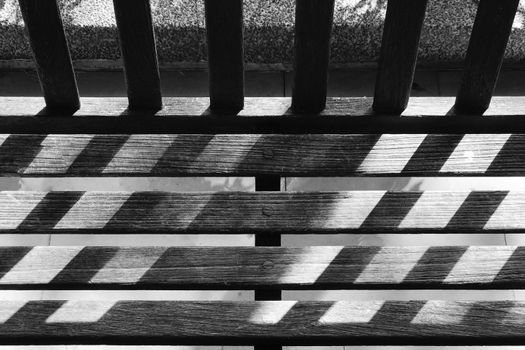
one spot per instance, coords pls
(255, 154)
(251, 212)
(224, 28)
(267, 269)
(139, 53)
(313, 26)
(397, 61)
(192, 115)
(51, 54)
(378, 322)
(488, 41)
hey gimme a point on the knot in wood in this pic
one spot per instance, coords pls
(267, 265)
(268, 153)
(266, 211)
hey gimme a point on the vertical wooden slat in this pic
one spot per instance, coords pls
(313, 26)
(488, 41)
(267, 183)
(224, 27)
(397, 61)
(137, 43)
(50, 50)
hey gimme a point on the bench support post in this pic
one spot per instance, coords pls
(268, 183)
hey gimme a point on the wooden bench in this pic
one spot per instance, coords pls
(268, 138)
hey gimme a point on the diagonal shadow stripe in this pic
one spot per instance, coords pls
(85, 265)
(499, 310)
(358, 259)
(179, 157)
(432, 154)
(18, 151)
(514, 268)
(510, 158)
(10, 256)
(32, 316)
(477, 209)
(391, 210)
(97, 154)
(434, 265)
(50, 210)
(405, 312)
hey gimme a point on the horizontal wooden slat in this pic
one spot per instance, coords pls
(456, 267)
(263, 322)
(268, 212)
(267, 154)
(192, 115)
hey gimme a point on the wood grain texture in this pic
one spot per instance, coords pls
(265, 184)
(139, 53)
(243, 212)
(488, 41)
(51, 54)
(224, 28)
(263, 323)
(313, 26)
(260, 115)
(258, 154)
(267, 269)
(397, 61)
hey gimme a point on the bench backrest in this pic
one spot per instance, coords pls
(268, 138)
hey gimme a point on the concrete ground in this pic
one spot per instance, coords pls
(273, 83)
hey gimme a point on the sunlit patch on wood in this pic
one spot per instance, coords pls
(140, 153)
(422, 214)
(92, 212)
(351, 312)
(54, 158)
(271, 312)
(24, 270)
(352, 210)
(475, 153)
(127, 267)
(433, 313)
(510, 213)
(380, 268)
(80, 311)
(310, 265)
(10, 307)
(480, 264)
(391, 153)
(16, 207)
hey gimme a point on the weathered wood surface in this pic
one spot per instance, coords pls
(250, 212)
(313, 26)
(51, 54)
(224, 28)
(192, 115)
(263, 323)
(266, 269)
(256, 154)
(267, 183)
(488, 41)
(139, 53)
(397, 60)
